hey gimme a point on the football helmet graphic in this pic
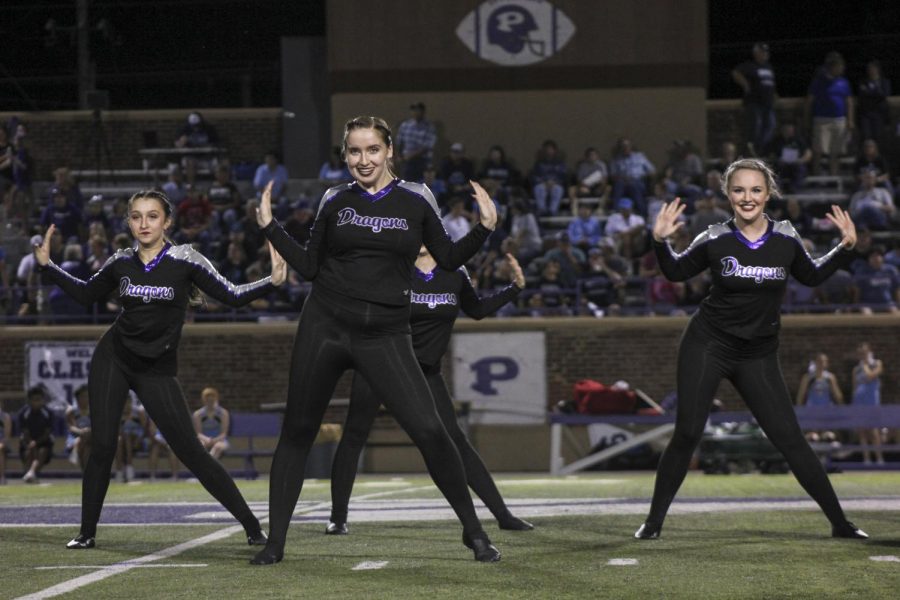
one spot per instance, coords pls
(510, 27)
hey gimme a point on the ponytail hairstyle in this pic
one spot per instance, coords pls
(196, 297)
(367, 122)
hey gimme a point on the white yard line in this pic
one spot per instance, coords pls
(370, 565)
(122, 567)
(167, 566)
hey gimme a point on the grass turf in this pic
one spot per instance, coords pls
(773, 554)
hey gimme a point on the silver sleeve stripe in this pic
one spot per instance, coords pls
(786, 228)
(187, 254)
(421, 190)
(120, 254)
(331, 193)
(712, 232)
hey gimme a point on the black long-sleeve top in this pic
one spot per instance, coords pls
(749, 279)
(155, 296)
(437, 298)
(364, 245)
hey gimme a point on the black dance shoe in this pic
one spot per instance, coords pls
(484, 550)
(512, 523)
(847, 530)
(81, 542)
(267, 556)
(336, 529)
(257, 539)
(648, 531)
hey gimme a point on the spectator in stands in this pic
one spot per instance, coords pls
(627, 229)
(98, 254)
(247, 232)
(61, 304)
(234, 267)
(585, 229)
(225, 198)
(131, 439)
(683, 172)
(457, 221)
(553, 283)
(437, 185)
(548, 176)
(497, 168)
(591, 178)
(21, 198)
(63, 214)
(27, 281)
(212, 422)
(714, 183)
(94, 213)
(416, 137)
(175, 187)
(818, 386)
(63, 181)
(300, 221)
(874, 113)
(6, 432)
(877, 283)
(706, 213)
(727, 154)
(829, 105)
(271, 170)
(571, 259)
(457, 170)
(159, 444)
(525, 231)
(655, 202)
(756, 78)
(872, 207)
(789, 153)
(867, 392)
(194, 220)
(35, 434)
(195, 133)
(334, 171)
(78, 421)
(870, 159)
(800, 219)
(628, 171)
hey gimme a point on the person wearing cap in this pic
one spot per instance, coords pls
(829, 108)
(416, 137)
(571, 259)
(197, 132)
(457, 170)
(61, 213)
(627, 228)
(756, 78)
(94, 213)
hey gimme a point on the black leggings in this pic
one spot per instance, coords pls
(363, 410)
(336, 333)
(109, 380)
(704, 359)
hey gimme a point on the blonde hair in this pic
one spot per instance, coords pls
(752, 164)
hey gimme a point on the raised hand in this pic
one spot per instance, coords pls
(486, 209)
(264, 211)
(844, 223)
(42, 250)
(279, 266)
(667, 221)
(518, 277)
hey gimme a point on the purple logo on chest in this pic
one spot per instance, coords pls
(732, 268)
(145, 292)
(348, 216)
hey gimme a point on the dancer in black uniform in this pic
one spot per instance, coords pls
(734, 335)
(360, 256)
(154, 282)
(437, 297)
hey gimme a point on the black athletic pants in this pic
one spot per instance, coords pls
(363, 410)
(337, 333)
(109, 380)
(704, 359)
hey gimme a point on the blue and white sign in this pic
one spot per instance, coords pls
(61, 366)
(503, 376)
(515, 32)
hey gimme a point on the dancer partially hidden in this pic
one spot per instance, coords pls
(360, 256)
(734, 335)
(437, 298)
(155, 282)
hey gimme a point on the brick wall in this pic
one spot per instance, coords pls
(249, 362)
(65, 138)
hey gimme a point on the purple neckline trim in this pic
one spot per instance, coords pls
(377, 195)
(753, 245)
(152, 264)
(425, 276)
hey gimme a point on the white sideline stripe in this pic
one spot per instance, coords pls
(622, 562)
(888, 558)
(370, 565)
(172, 566)
(122, 567)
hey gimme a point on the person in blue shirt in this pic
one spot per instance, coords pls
(877, 283)
(829, 104)
(271, 170)
(547, 178)
(585, 230)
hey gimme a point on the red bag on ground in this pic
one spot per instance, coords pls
(594, 398)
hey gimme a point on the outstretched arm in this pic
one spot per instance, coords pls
(691, 262)
(451, 255)
(205, 276)
(304, 259)
(812, 272)
(478, 307)
(87, 292)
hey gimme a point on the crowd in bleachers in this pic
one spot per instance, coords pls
(580, 227)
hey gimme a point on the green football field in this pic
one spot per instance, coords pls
(739, 536)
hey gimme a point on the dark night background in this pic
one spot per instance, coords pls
(225, 53)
